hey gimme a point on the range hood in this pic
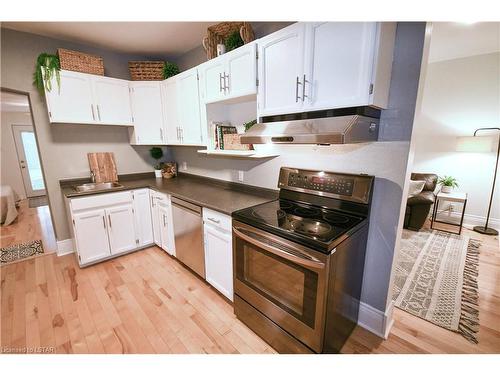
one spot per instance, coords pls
(329, 130)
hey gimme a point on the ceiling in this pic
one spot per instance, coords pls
(11, 102)
(142, 38)
(454, 40)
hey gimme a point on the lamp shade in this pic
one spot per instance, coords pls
(475, 144)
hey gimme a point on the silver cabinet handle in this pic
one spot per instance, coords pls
(297, 83)
(182, 134)
(152, 202)
(98, 112)
(214, 220)
(161, 134)
(304, 88)
(104, 222)
(93, 114)
(220, 82)
(226, 85)
(164, 221)
(109, 218)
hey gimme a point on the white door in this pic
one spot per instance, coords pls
(166, 230)
(241, 75)
(212, 80)
(91, 235)
(73, 102)
(155, 217)
(171, 110)
(143, 217)
(281, 62)
(121, 228)
(147, 113)
(112, 98)
(189, 108)
(219, 260)
(338, 64)
(29, 161)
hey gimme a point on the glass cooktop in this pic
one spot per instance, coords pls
(298, 220)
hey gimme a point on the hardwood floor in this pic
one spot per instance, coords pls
(147, 302)
(30, 224)
(411, 334)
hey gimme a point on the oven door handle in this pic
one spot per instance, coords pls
(302, 259)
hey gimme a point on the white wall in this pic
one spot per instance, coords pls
(11, 174)
(461, 95)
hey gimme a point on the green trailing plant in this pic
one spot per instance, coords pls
(170, 69)
(448, 181)
(46, 67)
(156, 153)
(249, 124)
(233, 41)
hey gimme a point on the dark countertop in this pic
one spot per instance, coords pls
(222, 196)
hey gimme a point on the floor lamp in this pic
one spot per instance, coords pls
(484, 229)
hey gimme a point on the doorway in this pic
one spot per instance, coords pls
(29, 162)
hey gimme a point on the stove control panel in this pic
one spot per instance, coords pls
(329, 184)
(343, 186)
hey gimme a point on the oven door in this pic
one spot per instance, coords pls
(285, 281)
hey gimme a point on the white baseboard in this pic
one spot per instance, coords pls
(376, 321)
(65, 247)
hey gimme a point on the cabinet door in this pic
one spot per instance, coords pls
(219, 260)
(212, 80)
(147, 113)
(241, 74)
(171, 110)
(91, 235)
(73, 102)
(281, 57)
(112, 98)
(338, 64)
(155, 220)
(166, 229)
(121, 228)
(189, 108)
(143, 217)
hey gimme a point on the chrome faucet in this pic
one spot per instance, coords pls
(92, 176)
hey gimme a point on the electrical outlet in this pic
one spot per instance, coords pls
(241, 176)
(184, 166)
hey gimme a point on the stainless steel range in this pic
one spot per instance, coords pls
(299, 260)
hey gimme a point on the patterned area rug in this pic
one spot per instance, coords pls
(436, 280)
(20, 251)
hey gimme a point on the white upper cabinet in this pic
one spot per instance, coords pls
(189, 107)
(73, 102)
(229, 76)
(147, 113)
(315, 66)
(112, 99)
(89, 99)
(171, 110)
(281, 64)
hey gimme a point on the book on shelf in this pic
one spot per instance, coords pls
(218, 131)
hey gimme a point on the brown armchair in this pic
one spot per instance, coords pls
(419, 206)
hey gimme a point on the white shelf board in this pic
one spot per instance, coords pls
(238, 153)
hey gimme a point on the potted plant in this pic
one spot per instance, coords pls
(47, 66)
(170, 69)
(233, 41)
(157, 153)
(447, 183)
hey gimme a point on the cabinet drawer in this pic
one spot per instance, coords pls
(101, 200)
(217, 219)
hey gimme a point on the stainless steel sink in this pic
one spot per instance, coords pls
(97, 186)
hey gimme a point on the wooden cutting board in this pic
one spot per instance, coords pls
(103, 165)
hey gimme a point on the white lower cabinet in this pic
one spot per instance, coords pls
(91, 235)
(218, 251)
(163, 230)
(121, 228)
(143, 217)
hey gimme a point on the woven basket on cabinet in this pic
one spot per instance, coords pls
(146, 70)
(80, 62)
(217, 34)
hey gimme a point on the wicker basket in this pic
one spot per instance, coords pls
(146, 70)
(80, 62)
(217, 34)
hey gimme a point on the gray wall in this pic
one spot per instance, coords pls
(64, 147)
(387, 160)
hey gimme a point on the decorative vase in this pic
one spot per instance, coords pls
(158, 173)
(446, 189)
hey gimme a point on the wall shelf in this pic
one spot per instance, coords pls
(253, 154)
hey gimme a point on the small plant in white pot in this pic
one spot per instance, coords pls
(157, 153)
(447, 183)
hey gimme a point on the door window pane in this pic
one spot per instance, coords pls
(32, 160)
